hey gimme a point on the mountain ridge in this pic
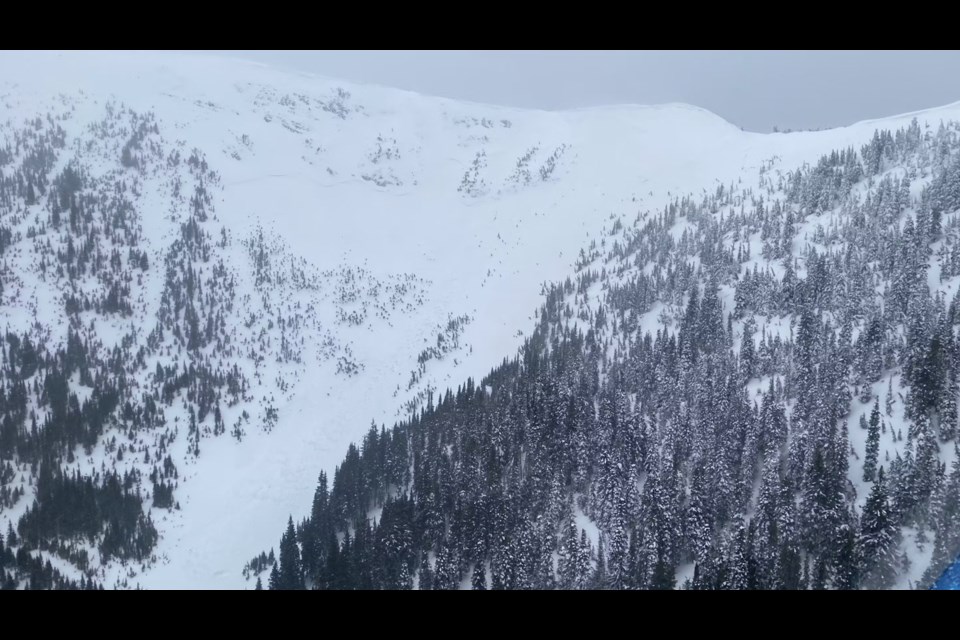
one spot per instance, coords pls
(382, 224)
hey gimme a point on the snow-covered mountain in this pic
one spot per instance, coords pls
(236, 269)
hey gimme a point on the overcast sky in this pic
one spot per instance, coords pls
(754, 90)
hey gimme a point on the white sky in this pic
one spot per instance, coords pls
(752, 89)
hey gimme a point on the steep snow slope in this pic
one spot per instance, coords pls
(404, 213)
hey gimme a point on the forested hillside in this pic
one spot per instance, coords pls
(751, 389)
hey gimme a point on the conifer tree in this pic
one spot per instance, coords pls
(291, 576)
(878, 539)
(873, 444)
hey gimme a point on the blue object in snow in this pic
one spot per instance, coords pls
(950, 580)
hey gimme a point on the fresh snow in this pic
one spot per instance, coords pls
(399, 188)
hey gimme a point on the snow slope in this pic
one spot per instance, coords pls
(408, 211)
